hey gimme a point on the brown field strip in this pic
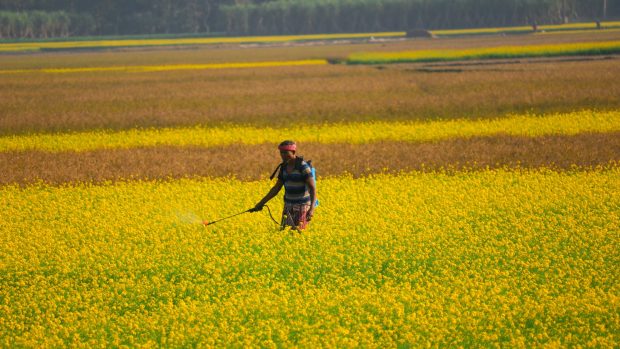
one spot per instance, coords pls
(255, 162)
(313, 94)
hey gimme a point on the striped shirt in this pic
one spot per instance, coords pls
(295, 187)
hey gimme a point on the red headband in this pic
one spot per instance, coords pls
(289, 147)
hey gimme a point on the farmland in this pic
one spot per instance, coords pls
(464, 203)
(106, 43)
(496, 256)
(500, 52)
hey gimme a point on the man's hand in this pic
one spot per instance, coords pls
(310, 214)
(258, 207)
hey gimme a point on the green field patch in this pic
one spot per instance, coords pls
(159, 41)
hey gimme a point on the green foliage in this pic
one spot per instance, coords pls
(44, 18)
(332, 16)
(40, 24)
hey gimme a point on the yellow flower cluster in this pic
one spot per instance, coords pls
(363, 132)
(586, 48)
(169, 67)
(494, 258)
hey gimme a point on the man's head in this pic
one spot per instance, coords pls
(287, 150)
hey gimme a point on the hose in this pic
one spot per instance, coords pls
(271, 216)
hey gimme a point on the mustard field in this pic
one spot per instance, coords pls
(168, 67)
(363, 132)
(551, 50)
(491, 258)
(542, 29)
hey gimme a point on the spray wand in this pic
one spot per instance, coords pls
(206, 223)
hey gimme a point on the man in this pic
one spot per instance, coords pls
(299, 189)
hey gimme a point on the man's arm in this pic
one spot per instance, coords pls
(272, 193)
(312, 190)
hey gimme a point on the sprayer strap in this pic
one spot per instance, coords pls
(275, 171)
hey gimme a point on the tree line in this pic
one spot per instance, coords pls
(20, 18)
(334, 16)
(61, 18)
(42, 24)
